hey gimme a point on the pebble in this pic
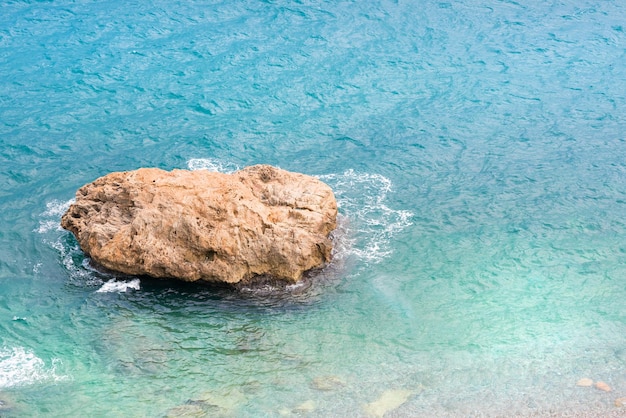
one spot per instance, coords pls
(388, 401)
(619, 402)
(584, 382)
(228, 400)
(5, 404)
(603, 386)
(307, 406)
(327, 383)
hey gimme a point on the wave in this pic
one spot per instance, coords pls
(114, 286)
(372, 224)
(20, 367)
(211, 164)
(73, 259)
(51, 217)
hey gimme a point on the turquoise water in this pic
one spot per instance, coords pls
(476, 150)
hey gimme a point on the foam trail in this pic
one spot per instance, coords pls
(362, 197)
(69, 251)
(19, 367)
(119, 287)
(211, 165)
(51, 216)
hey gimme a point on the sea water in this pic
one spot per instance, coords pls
(477, 152)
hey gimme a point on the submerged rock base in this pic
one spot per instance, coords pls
(205, 226)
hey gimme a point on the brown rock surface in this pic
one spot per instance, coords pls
(201, 225)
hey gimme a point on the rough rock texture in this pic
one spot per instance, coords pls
(201, 225)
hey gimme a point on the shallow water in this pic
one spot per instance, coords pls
(476, 150)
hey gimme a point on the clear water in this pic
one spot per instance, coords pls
(477, 152)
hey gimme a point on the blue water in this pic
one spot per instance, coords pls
(477, 152)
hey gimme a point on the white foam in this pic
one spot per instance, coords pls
(57, 208)
(19, 367)
(296, 286)
(80, 273)
(211, 165)
(69, 251)
(362, 197)
(51, 216)
(48, 225)
(119, 287)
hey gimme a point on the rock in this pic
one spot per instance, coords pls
(190, 411)
(222, 403)
(205, 226)
(620, 402)
(284, 412)
(225, 401)
(584, 382)
(327, 383)
(388, 401)
(305, 407)
(5, 405)
(603, 386)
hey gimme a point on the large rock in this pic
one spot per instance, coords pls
(201, 225)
